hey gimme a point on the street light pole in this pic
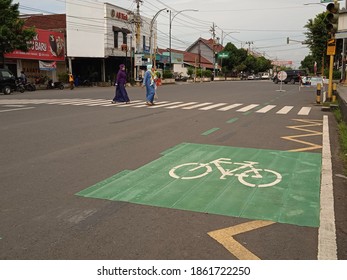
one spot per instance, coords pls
(151, 33)
(170, 27)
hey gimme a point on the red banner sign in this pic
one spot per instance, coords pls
(46, 45)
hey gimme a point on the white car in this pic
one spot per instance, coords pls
(250, 77)
(265, 76)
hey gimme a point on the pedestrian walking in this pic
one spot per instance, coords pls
(149, 81)
(121, 94)
(71, 81)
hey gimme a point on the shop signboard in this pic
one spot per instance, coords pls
(46, 45)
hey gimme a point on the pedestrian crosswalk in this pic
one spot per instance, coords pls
(193, 105)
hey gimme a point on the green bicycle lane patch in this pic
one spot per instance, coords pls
(257, 184)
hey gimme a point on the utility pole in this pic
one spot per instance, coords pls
(138, 31)
(249, 43)
(213, 31)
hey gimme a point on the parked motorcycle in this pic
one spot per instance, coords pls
(19, 86)
(52, 85)
(27, 85)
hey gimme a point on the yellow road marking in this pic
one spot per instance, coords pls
(225, 237)
(294, 138)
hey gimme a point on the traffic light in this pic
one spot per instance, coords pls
(332, 17)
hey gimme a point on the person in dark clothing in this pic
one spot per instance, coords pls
(121, 94)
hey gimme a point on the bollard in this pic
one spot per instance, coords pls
(334, 92)
(319, 89)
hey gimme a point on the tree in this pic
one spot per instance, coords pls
(263, 64)
(308, 63)
(317, 38)
(13, 35)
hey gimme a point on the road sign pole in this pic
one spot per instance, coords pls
(330, 87)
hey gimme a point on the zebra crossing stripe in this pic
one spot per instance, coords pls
(110, 104)
(164, 105)
(247, 108)
(213, 106)
(160, 104)
(196, 106)
(285, 110)
(304, 111)
(129, 104)
(230, 107)
(181, 105)
(266, 109)
(101, 102)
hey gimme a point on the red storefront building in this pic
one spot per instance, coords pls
(46, 57)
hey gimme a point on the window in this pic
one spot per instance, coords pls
(125, 37)
(115, 34)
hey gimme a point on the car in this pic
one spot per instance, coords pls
(293, 76)
(265, 76)
(251, 77)
(7, 81)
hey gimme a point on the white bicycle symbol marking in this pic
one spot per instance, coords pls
(247, 168)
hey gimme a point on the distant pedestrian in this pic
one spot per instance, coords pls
(71, 81)
(149, 81)
(121, 94)
(23, 77)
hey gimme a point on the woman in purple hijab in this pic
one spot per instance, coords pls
(121, 95)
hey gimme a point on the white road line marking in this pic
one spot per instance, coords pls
(230, 107)
(17, 109)
(285, 110)
(160, 104)
(247, 108)
(213, 106)
(266, 109)
(304, 111)
(181, 105)
(196, 106)
(327, 248)
(164, 105)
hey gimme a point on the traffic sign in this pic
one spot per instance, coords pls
(331, 49)
(223, 55)
(282, 75)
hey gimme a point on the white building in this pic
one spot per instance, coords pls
(101, 36)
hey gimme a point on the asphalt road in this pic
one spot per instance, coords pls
(55, 144)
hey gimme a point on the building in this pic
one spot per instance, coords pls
(46, 57)
(206, 48)
(101, 36)
(181, 60)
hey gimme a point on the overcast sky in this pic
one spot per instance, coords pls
(262, 25)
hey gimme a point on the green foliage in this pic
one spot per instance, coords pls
(308, 63)
(342, 126)
(317, 37)
(190, 71)
(12, 34)
(207, 73)
(336, 74)
(239, 60)
(167, 74)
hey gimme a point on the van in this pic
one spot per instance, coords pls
(7, 81)
(293, 76)
(265, 76)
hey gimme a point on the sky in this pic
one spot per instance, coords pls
(261, 25)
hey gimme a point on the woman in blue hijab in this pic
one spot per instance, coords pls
(121, 93)
(149, 83)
